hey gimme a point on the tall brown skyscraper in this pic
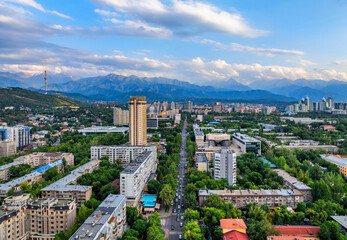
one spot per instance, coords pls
(138, 121)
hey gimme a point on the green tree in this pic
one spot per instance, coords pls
(191, 214)
(330, 230)
(83, 214)
(166, 195)
(259, 230)
(153, 186)
(140, 225)
(155, 233)
(192, 231)
(321, 190)
(131, 215)
(50, 173)
(214, 200)
(154, 220)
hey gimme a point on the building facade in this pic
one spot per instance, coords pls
(63, 188)
(240, 198)
(120, 116)
(19, 134)
(135, 176)
(247, 143)
(125, 154)
(47, 217)
(138, 121)
(39, 159)
(225, 166)
(107, 222)
(7, 148)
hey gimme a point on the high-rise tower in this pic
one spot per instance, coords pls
(138, 121)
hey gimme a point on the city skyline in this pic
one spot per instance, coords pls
(196, 41)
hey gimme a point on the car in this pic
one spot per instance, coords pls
(179, 211)
(172, 227)
(181, 224)
(178, 219)
(174, 210)
(180, 236)
(179, 206)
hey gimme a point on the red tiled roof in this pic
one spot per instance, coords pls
(285, 238)
(232, 224)
(235, 235)
(299, 230)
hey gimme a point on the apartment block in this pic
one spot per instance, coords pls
(120, 117)
(7, 148)
(107, 222)
(13, 223)
(339, 160)
(5, 170)
(63, 189)
(240, 198)
(19, 134)
(201, 163)
(47, 217)
(199, 138)
(30, 178)
(39, 159)
(247, 143)
(218, 139)
(225, 165)
(293, 183)
(125, 153)
(135, 176)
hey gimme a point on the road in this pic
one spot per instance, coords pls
(177, 210)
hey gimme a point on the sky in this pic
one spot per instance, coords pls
(196, 41)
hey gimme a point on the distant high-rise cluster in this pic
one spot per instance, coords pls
(120, 117)
(162, 110)
(138, 121)
(324, 105)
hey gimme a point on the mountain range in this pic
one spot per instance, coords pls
(114, 87)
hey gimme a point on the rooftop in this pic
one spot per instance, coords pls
(298, 230)
(134, 166)
(97, 222)
(338, 159)
(232, 224)
(7, 186)
(201, 157)
(251, 192)
(6, 166)
(235, 235)
(342, 220)
(62, 184)
(244, 137)
(292, 180)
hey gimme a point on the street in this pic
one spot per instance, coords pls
(173, 222)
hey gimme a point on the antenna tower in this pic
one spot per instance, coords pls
(46, 79)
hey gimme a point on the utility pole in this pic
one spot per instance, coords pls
(46, 79)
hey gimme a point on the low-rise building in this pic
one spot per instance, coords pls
(125, 154)
(39, 159)
(218, 139)
(201, 162)
(107, 222)
(63, 189)
(339, 160)
(295, 232)
(240, 198)
(5, 170)
(103, 130)
(328, 148)
(224, 165)
(247, 143)
(231, 224)
(47, 217)
(328, 128)
(135, 176)
(7, 148)
(293, 183)
(342, 221)
(30, 178)
(199, 138)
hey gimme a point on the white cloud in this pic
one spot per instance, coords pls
(106, 13)
(33, 4)
(269, 52)
(185, 18)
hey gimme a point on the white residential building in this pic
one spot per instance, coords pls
(107, 222)
(125, 153)
(135, 176)
(225, 165)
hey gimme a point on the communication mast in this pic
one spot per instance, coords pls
(46, 79)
